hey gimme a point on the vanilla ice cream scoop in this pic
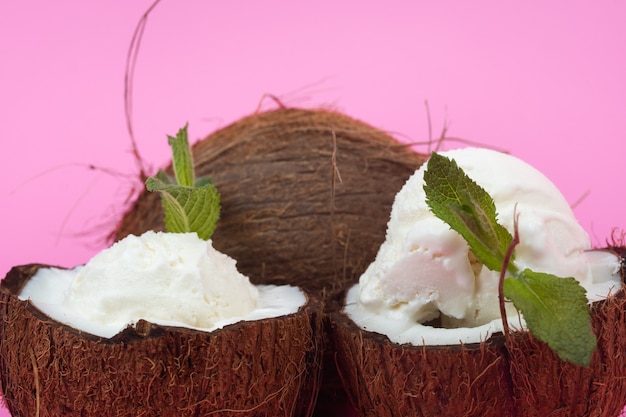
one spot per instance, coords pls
(167, 277)
(170, 279)
(425, 271)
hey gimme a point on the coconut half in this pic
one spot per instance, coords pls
(266, 367)
(386, 379)
(515, 375)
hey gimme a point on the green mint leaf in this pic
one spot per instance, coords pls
(469, 210)
(556, 312)
(163, 177)
(181, 158)
(202, 181)
(176, 220)
(188, 209)
(190, 204)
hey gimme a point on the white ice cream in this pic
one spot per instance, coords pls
(423, 270)
(165, 278)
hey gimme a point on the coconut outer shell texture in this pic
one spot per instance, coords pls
(259, 368)
(544, 385)
(517, 376)
(384, 379)
(306, 195)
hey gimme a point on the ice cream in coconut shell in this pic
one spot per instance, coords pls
(422, 334)
(158, 324)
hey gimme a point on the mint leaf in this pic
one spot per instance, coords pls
(188, 209)
(556, 312)
(181, 158)
(163, 177)
(464, 205)
(202, 181)
(190, 205)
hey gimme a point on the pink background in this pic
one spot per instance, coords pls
(543, 80)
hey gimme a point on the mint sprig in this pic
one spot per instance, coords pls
(181, 158)
(190, 204)
(555, 309)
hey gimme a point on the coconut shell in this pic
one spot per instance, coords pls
(259, 368)
(516, 376)
(384, 379)
(306, 195)
(544, 385)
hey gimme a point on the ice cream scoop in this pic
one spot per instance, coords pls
(425, 272)
(166, 276)
(172, 279)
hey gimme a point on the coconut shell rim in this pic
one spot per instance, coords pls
(497, 339)
(18, 276)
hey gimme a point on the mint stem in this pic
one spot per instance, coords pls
(506, 263)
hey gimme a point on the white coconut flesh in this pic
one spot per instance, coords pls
(425, 286)
(168, 279)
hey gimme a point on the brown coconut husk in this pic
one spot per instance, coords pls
(258, 368)
(544, 385)
(384, 379)
(306, 195)
(516, 375)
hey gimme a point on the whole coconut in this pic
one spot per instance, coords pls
(306, 195)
